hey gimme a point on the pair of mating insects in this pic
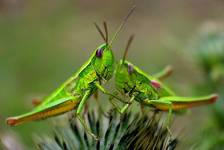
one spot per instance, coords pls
(129, 80)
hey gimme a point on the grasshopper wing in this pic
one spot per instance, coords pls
(179, 103)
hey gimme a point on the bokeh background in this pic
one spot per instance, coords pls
(43, 42)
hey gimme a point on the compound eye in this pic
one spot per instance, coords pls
(99, 52)
(130, 69)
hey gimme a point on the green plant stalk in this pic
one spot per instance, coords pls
(129, 131)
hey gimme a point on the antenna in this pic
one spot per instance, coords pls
(127, 47)
(101, 33)
(122, 24)
(106, 31)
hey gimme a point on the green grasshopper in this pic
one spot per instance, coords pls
(73, 93)
(150, 91)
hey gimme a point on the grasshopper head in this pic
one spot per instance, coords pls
(124, 74)
(124, 71)
(103, 61)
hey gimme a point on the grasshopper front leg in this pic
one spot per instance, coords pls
(102, 89)
(123, 109)
(78, 114)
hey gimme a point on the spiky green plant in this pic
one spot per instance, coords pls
(130, 131)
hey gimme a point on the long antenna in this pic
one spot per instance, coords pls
(106, 31)
(101, 33)
(122, 24)
(127, 47)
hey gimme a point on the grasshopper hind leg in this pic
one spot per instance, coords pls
(53, 109)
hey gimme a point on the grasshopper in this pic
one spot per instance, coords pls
(149, 90)
(73, 93)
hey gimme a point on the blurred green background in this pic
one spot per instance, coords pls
(43, 42)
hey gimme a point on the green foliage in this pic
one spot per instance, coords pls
(211, 58)
(210, 46)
